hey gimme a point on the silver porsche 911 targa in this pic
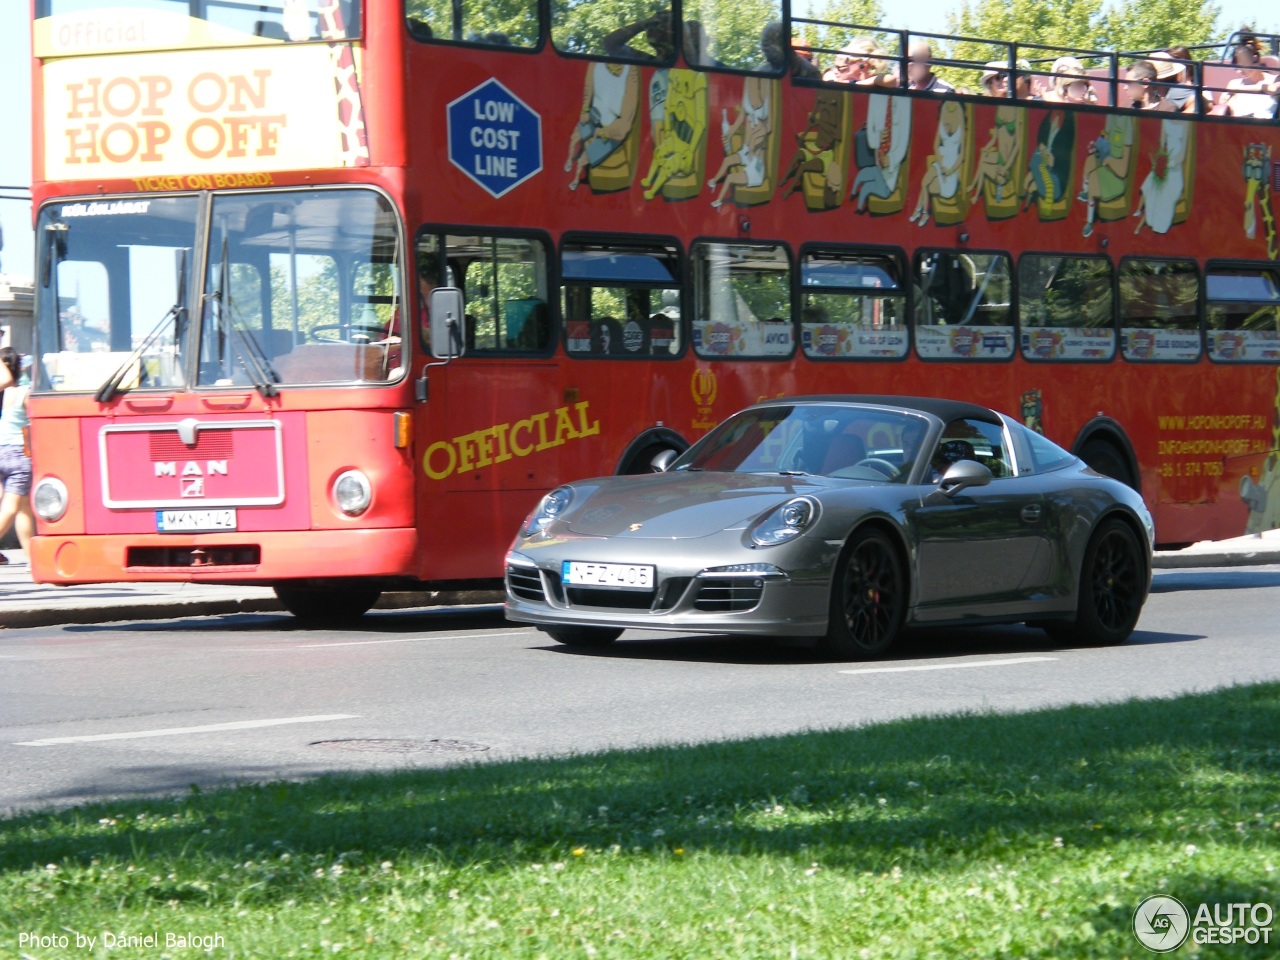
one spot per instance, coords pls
(845, 519)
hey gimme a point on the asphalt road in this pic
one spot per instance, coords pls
(95, 711)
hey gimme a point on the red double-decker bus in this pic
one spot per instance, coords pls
(248, 217)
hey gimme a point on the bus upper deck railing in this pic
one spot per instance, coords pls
(1032, 69)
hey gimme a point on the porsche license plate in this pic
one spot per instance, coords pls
(616, 576)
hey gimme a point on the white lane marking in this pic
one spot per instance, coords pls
(953, 666)
(174, 731)
(365, 643)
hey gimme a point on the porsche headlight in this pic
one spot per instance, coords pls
(49, 499)
(352, 493)
(553, 505)
(785, 522)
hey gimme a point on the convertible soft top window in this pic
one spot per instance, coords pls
(835, 440)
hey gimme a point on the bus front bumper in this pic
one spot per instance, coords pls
(233, 558)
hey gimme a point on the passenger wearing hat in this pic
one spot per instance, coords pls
(1177, 96)
(862, 61)
(1070, 83)
(995, 79)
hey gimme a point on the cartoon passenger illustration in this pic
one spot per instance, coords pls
(880, 147)
(1257, 193)
(999, 161)
(820, 155)
(679, 149)
(610, 100)
(1049, 171)
(1163, 187)
(1106, 177)
(752, 127)
(942, 175)
(1033, 410)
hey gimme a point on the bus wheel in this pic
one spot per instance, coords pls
(1105, 459)
(331, 603)
(583, 636)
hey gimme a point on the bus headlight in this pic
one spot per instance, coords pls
(352, 493)
(49, 499)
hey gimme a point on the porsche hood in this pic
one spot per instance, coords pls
(677, 506)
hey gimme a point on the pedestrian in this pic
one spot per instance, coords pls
(15, 457)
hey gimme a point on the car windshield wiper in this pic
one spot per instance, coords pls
(794, 473)
(177, 313)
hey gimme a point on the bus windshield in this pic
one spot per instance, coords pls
(83, 26)
(299, 288)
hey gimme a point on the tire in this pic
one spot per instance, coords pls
(868, 598)
(583, 636)
(1111, 589)
(328, 603)
(1104, 458)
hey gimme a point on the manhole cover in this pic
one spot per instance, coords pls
(391, 745)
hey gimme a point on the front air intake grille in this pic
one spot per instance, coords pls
(612, 599)
(728, 596)
(671, 592)
(200, 558)
(526, 584)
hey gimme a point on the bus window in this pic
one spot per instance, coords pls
(596, 28)
(1242, 311)
(504, 281)
(621, 300)
(852, 305)
(962, 306)
(226, 22)
(114, 278)
(742, 296)
(1066, 308)
(1158, 303)
(715, 34)
(473, 21)
(306, 295)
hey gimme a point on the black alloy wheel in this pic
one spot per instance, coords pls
(1112, 588)
(868, 599)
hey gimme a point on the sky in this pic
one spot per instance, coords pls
(927, 16)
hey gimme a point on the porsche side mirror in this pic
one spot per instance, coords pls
(962, 475)
(662, 462)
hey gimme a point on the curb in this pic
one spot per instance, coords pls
(1182, 559)
(136, 610)
(177, 608)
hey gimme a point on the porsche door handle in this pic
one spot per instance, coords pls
(1031, 512)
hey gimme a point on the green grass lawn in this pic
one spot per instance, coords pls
(1033, 835)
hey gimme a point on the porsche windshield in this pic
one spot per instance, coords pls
(298, 288)
(833, 440)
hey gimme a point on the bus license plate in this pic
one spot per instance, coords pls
(194, 521)
(618, 576)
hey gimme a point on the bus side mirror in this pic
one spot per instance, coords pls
(447, 322)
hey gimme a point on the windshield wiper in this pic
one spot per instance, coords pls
(255, 361)
(177, 313)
